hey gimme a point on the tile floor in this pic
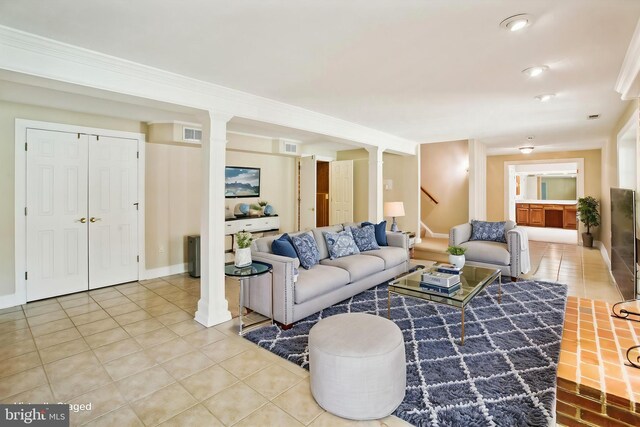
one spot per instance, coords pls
(135, 353)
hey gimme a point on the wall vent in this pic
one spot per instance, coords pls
(190, 134)
(282, 146)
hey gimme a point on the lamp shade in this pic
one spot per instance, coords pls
(394, 209)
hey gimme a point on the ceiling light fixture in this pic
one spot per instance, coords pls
(516, 22)
(545, 97)
(526, 150)
(535, 71)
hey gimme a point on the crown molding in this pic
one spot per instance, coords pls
(39, 56)
(628, 83)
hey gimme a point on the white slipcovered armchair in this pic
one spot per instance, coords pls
(511, 257)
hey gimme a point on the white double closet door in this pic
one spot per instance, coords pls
(81, 212)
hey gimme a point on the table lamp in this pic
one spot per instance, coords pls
(394, 209)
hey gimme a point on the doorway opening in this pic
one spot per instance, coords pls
(322, 194)
(542, 197)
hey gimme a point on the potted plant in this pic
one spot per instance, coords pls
(243, 251)
(589, 216)
(456, 255)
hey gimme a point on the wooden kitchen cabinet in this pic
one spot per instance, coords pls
(522, 214)
(546, 215)
(570, 218)
(536, 216)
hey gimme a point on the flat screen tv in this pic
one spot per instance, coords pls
(241, 182)
(623, 241)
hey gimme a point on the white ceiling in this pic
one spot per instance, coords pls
(428, 71)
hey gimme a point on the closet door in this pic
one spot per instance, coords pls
(56, 235)
(113, 214)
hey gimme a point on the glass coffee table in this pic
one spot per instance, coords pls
(473, 281)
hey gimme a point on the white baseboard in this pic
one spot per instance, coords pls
(605, 256)
(11, 300)
(169, 270)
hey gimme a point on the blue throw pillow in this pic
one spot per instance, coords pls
(489, 231)
(381, 232)
(365, 238)
(340, 244)
(282, 246)
(307, 250)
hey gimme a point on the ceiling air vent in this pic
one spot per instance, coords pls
(190, 134)
(593, 116)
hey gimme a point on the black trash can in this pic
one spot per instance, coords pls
(193, 253)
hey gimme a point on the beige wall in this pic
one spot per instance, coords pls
(277, 183)
(444, 175)
(496, 191)
(173, 201)
(8, 113)
(360, 159)
(404, 172)
(174, 185)
(610, 173)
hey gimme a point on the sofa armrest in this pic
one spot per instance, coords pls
(519, 257)
(258, 293)
(459, 234)
(398, 239)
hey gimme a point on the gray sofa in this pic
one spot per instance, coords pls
(512, 258)
(325, 284)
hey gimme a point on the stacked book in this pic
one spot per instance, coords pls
(448, 268)
(443, 283)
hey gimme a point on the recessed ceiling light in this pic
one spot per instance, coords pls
(526, 150)
(516, 22)
(535, 71)
(545, 97)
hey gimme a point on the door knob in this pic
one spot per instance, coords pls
(82, 220)
(94, 219)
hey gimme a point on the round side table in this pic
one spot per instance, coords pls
(242, 275)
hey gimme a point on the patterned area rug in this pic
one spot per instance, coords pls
(503, 375)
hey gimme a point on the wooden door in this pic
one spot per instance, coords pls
(307, 193)
(341, 192)
(322, 194)
(56, 233)
(113, 211)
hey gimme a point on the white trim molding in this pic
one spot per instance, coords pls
(628, 83)
(169, 270)
(38, 56)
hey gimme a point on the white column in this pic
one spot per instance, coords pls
(477, 180)
(375, 183)
(213, 307)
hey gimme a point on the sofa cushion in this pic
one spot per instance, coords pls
(305, 246)
(317, 281)
(340, 244)
(488, 231)
(365, 237)
(487, 252)
(391, 255)
(358, 266)
(319, 236)
(283, 246)
(381, 232)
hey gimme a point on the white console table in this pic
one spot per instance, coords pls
(251, 224)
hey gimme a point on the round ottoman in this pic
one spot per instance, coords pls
(357, 365)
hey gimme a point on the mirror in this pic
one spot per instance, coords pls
(546, 186)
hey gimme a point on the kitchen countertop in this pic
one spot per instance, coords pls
(549, 202)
